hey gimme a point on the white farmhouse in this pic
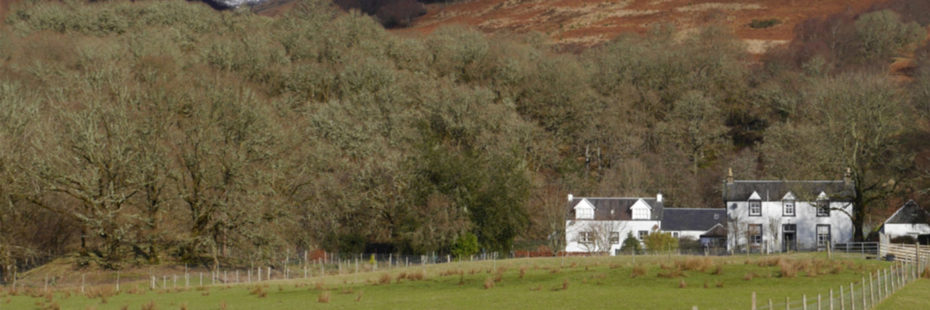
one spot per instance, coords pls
(601, 224)
(779, 216)
(909, 220)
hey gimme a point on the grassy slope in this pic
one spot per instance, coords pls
(592, 283)
(914, 296)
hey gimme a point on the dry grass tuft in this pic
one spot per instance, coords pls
(718, 270)
(488, 283)
(672, 273)
(705, 284)
(183, 306)
(324, 297)
(565, 284)
(318, 286)
(682, 284)
(788, 269)
(149, 306)
(522, 272)
(719, 284)
(222, 305)
(926, 273)
(638, 271)
(749, 276)
(258, 291)
(384, 279)
(694, 264)
(359, 297)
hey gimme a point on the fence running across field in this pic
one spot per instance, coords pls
(865, 294)
(299, 268)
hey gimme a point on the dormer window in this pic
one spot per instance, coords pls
(584, 210)
(788, 208)
(755, 208)
(755, 204)
(823, 205)
(641, 211)
(584, 214)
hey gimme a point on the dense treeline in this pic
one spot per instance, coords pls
(165, 131)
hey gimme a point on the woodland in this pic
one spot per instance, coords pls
(152, 132)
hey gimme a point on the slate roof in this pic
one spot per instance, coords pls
(619, 205)
(909, 213)
(740, 190)
(677, 219)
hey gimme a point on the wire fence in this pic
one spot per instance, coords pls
(306, 266)
(865, 294)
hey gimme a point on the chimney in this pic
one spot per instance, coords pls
(570, 197)
(659, 197)
(730, 175)
(847, 178)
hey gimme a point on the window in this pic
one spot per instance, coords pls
(614, 237)
(823, 235)
(640, 214)
(788, 208)
(586, 237)
(755, 234)
(643, 234)
(584, 213)
(675, 233)
(823, 207)
(755, 208)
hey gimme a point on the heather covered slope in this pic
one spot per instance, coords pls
(584, 23)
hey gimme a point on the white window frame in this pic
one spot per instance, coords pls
(586, 237)
(823, 208)
(753, 238)
(755, 207)
(642, 234)
(615, 237)
(823, 240)
(789, 205)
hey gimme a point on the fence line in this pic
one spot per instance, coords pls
(863, 295)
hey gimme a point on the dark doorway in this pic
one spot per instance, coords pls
(789, 238)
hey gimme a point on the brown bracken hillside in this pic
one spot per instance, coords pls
(584, 23)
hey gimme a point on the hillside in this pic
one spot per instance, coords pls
(586, 23)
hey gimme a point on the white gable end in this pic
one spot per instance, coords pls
(755, 196)
(641, 210)
(584, 210)
(789, 196)
(822, 196)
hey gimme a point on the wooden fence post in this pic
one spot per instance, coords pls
(82, 283)
(787, 303)
(831, 299)
(770, 304)
(117, 280)
(864, 306)
(842, 299)
(804, 301)
(753, 300)
(852, 297)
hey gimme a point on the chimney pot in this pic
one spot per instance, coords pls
(659, 197)
(570, 197)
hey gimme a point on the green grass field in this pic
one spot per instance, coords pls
(676, 282)
(914, 296)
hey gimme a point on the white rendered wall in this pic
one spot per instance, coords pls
(573, 228)
(896, 230)
(772, 220)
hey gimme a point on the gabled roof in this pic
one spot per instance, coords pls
(677, 219)
(909, 213)
(619, 205)
(740, 190)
